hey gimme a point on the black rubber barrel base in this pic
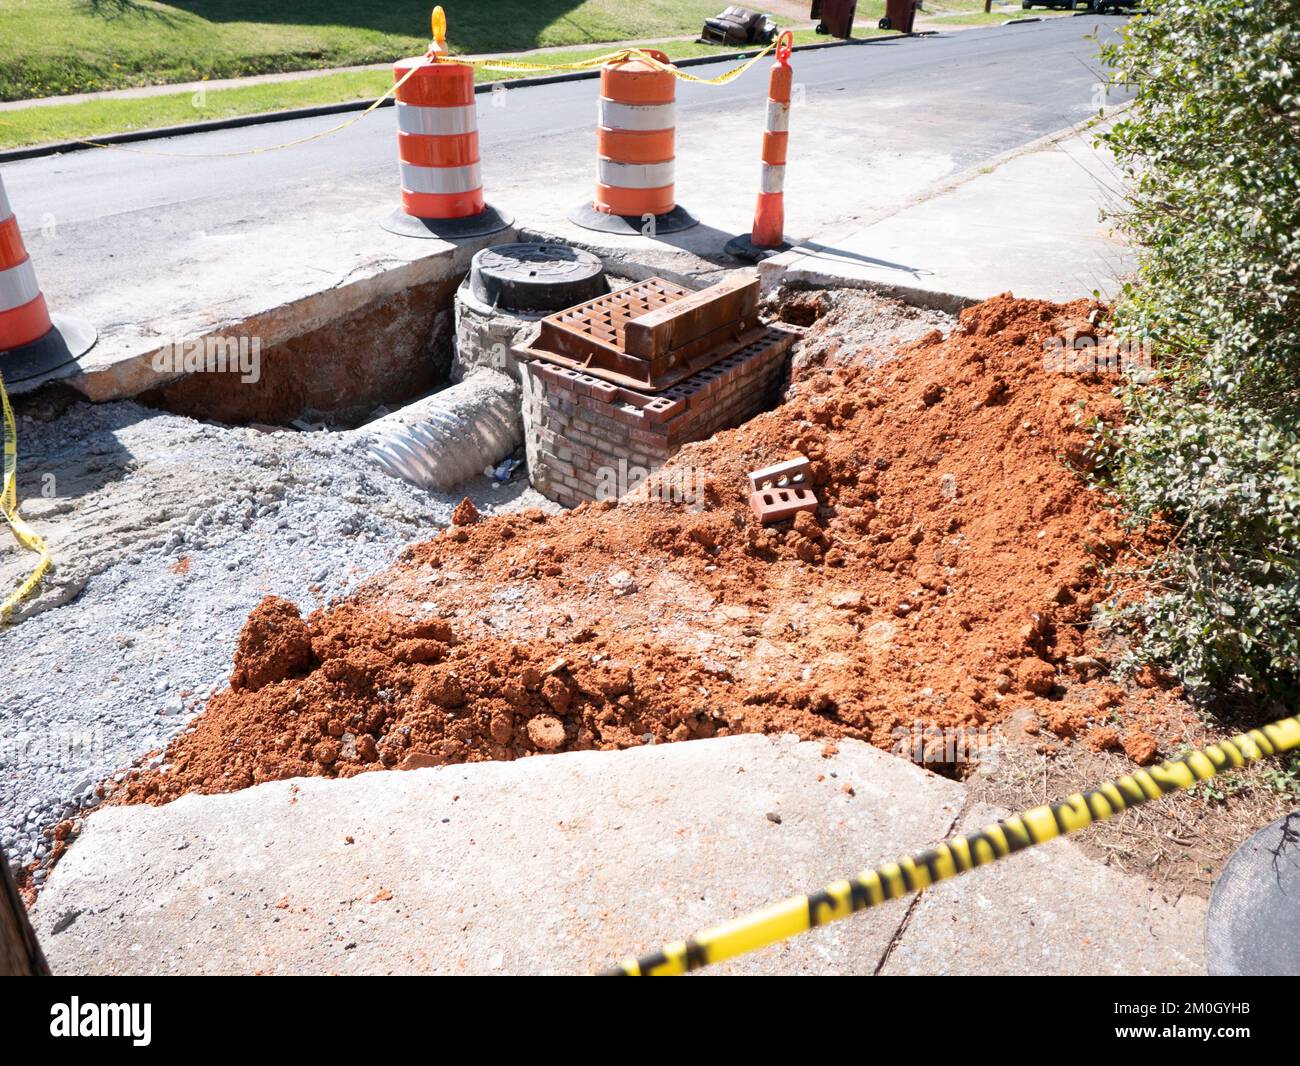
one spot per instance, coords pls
(674, 221)
(1250, 927)
(743, 247)
(489, 220)
(59, 349)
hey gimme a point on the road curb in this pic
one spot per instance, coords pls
(36, 151)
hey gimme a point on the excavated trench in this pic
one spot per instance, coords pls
(384, 355)
(945, 584)
(505, 629)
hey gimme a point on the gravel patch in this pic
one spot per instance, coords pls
(166, 532)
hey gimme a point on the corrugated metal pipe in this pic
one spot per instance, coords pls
(453, 435)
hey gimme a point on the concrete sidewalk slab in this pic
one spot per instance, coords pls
(565, 863)
(1031, 224)
(271, 274)
(1049, 910)
(558, 864)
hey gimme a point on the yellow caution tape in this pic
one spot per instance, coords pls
(23, 533)
(622, 55)
(251, 151)
(960, 854)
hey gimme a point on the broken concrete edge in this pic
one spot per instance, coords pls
(784, 269)
(397, 871)
(690, 825)
(135, 373)
(37, 151)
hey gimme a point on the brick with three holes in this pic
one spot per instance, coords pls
(776, 504)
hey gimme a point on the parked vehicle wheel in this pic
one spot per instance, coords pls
(884, 23)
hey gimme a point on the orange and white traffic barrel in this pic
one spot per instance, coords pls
(437, 147)
(32, 343)
(767, 235)
(636, 132)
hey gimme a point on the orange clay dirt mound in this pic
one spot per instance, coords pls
(946, 579)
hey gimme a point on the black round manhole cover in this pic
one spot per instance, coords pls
(1251, 928)
(535, 277)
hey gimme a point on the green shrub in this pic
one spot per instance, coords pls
(1212, 444)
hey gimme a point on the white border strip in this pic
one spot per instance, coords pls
(635, 175)
(778, 117)
(18, 286)
(440, 180)
(437, 121)
(615, 116)
(773, 179)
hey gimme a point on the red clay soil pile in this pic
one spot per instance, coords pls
(947, 579)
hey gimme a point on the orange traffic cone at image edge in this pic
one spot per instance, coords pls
(33, 344)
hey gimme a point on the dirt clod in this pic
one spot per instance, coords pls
(465, 514)
(1141, 747)
(546, 732)
(275, 644)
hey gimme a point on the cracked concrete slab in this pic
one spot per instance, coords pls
(269, 274)
(557, 864)
(1049, 910)
(566, 863)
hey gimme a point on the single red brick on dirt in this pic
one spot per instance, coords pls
(949, 524)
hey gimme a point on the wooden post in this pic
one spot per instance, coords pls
(20, 954)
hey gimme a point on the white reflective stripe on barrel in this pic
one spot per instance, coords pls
(778, 117)
(436, 121)
(773, 177)
(440, 179)
(635, 175)
(5, 209)
(18, 286)
(615, 116)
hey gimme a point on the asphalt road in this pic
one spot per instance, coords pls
(133, 237)
(975, 92)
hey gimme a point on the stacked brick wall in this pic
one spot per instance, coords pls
(582, 434)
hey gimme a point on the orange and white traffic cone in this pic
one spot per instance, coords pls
(767, 236)
(636, 138)
(33, 345)
(437, 148)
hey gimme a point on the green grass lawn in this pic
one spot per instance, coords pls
(94, 118)
(55, 47)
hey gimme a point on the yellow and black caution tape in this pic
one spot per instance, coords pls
(960, 854)
(23, 533)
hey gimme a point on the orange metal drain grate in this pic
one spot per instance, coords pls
(603, 319)
(652, 334)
